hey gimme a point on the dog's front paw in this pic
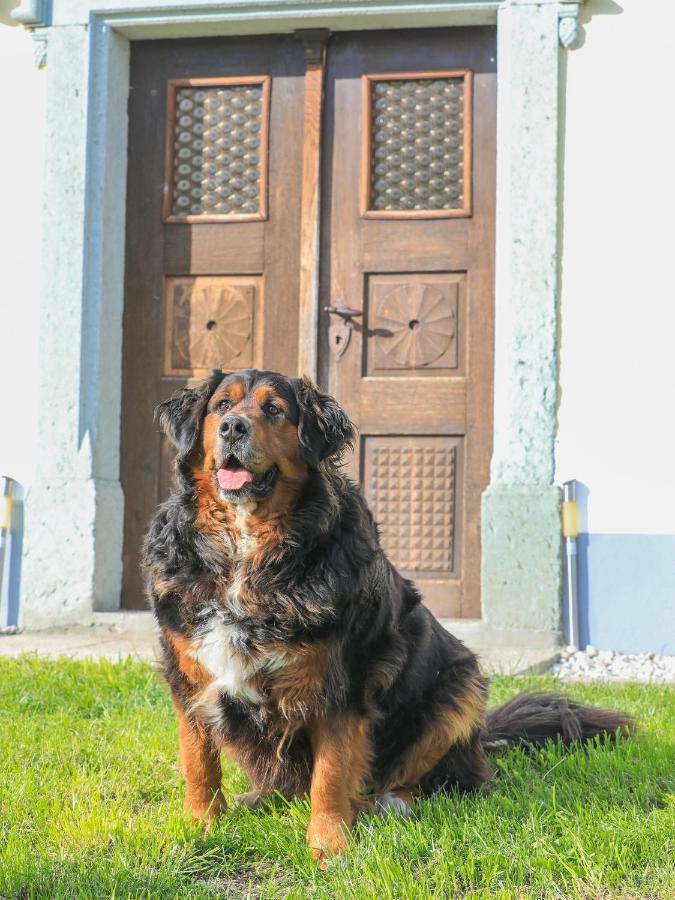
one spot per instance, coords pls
(206, 810)
(326, 836)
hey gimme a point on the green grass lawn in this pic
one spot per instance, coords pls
(91, 806)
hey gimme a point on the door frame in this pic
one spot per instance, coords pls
(83, 273)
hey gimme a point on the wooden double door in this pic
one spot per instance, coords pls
(323, 203)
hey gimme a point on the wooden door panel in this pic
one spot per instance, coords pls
(219, 248)
(408, 244)
(213, 223)
(432, 304)
(408, 407)
(223, 154)
(414, 486)
(210, 322)
(414, 245)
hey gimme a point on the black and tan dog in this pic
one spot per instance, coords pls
(290, 641)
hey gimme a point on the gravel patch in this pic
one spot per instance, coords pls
(606, 665)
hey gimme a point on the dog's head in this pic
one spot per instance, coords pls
(250, 430)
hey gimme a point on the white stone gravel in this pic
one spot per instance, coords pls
(606, 665)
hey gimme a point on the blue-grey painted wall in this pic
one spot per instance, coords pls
(627, 592)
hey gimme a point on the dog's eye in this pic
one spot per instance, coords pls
(223, 404)
(272, 409)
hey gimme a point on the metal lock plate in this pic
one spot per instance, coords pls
(339, 335)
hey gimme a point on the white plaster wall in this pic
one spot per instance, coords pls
(617, 407)
(617, 313)
(23, 90)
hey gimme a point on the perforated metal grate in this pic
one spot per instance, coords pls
(417, 144)
(218, 135)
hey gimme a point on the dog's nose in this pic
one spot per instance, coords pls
(235, 427)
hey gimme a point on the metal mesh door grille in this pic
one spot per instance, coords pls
(417, 145)
(217, 150)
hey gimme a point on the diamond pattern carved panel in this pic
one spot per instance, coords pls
(208, 324)
(417, 140)
(415, 322)
(216, 151)
(410, 485)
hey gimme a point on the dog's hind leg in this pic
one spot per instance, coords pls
(450, 744)
(465, 767)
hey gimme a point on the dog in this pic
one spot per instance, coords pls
(291, 642)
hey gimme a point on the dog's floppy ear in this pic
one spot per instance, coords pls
(324, 429)
(180, 417)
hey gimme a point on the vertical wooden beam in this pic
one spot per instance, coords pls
(314, 43)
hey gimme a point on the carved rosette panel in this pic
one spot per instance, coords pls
(209, 325)
(413, 322)
(410, 484)
(218, 150)
(417, 144)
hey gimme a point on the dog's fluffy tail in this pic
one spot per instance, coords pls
(532, 719)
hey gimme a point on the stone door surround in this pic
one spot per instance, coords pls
(75, 508)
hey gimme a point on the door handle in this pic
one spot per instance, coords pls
(347, 313)
(339, 333)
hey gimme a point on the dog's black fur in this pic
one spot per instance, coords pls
(320, 585)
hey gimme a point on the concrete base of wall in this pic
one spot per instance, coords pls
(73, 552)
(522, 562)
(117, 635)
(508, 651)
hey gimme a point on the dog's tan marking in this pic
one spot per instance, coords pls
(196, 674)
(200, 764)
(296, 689)
(234, 392)
(214, 518)
(265, 394)
(161, 587)
(342, 756)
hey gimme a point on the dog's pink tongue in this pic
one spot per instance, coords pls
(233, 479)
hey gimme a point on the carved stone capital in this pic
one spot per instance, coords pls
(33, 15)
(570, 32)
(39, 36)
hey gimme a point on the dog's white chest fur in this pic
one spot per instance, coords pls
(216, 649)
